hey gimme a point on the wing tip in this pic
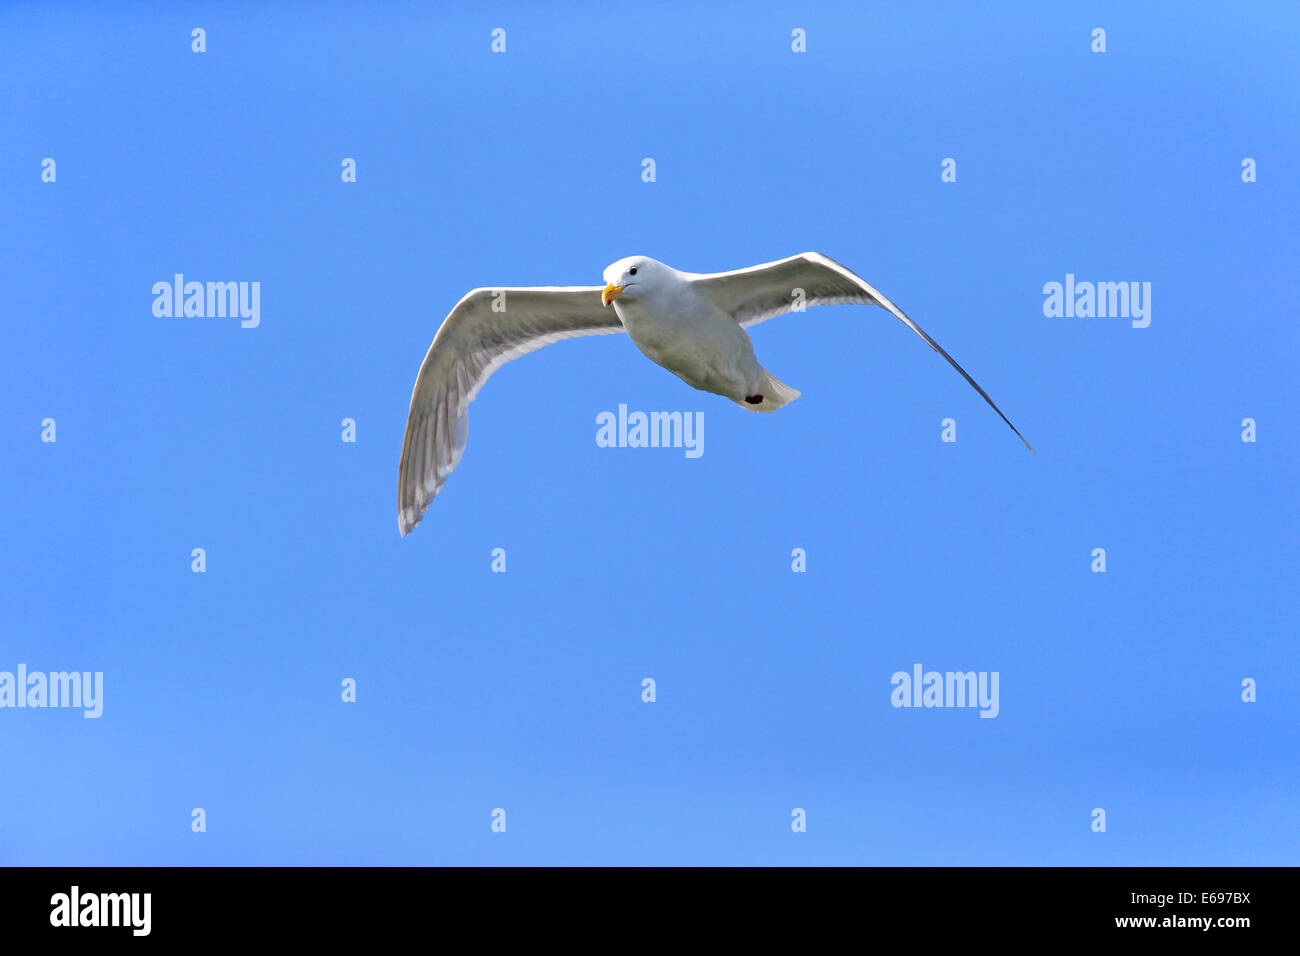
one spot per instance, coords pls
(408, 519)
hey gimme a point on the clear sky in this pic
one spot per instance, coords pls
(522, 690)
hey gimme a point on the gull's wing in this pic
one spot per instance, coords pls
(473, 342)
(760, 292)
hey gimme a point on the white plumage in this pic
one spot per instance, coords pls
(693, 324)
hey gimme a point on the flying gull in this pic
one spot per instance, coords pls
(693, 324)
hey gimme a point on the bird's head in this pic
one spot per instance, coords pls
(631, 277)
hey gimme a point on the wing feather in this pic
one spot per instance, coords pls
(473, 342)
(770, 289)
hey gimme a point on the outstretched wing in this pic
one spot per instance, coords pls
(486, 329)
(760, 292)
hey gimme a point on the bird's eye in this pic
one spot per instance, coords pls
(632, 272)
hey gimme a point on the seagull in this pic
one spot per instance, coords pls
(693, 324)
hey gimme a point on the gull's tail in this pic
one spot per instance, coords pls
(775, 394)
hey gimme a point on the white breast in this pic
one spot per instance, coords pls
(684, 332)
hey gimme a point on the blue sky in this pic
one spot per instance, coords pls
(479, 690)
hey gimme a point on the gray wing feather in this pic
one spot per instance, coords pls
(764, 291)
(472, 343)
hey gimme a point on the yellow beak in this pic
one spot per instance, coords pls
(611, 293)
